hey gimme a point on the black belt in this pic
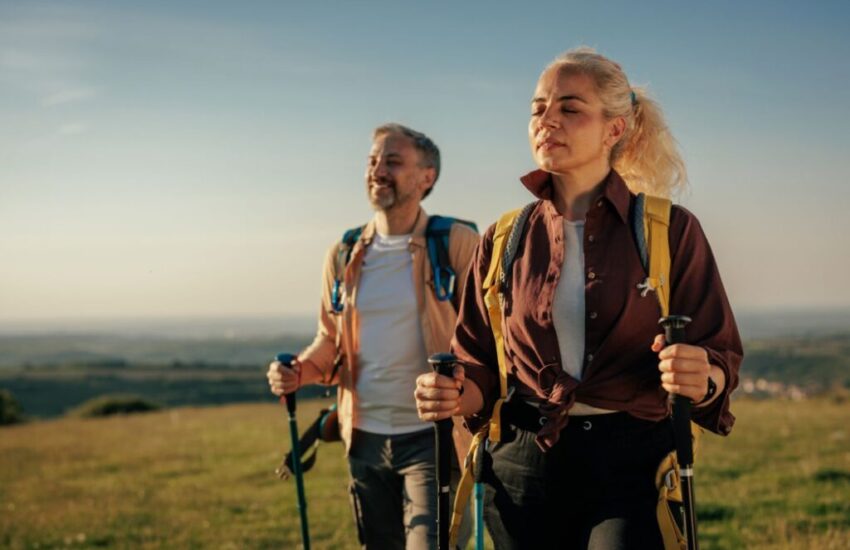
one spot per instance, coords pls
(527, 417)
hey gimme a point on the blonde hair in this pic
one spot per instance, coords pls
(646, 156)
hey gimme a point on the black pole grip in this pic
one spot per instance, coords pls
(443, 363)
(287, 359)
(674, 333)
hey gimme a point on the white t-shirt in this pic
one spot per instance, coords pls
(392, 351)
(568, 309)
(568, 306)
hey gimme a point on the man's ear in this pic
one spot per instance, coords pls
(428, 179)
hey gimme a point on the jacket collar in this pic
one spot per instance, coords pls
(614, 190)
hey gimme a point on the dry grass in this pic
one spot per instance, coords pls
(203, 478)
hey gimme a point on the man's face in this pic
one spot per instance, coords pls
(394, 174)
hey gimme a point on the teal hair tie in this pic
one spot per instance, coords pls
(634, 98)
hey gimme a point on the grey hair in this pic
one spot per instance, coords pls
(428, 150)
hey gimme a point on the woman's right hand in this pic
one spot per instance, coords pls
(284, 379)
(439, 397)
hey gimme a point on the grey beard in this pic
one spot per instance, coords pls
(383, 202)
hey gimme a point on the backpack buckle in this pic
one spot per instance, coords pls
(670, 479)
(336, 297)
(444, 291)
(650, 284)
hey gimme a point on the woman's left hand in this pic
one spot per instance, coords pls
(684, 369)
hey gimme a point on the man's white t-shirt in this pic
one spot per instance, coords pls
(392, 351)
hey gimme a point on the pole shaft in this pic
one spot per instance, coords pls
(297, 473)
(299, 482)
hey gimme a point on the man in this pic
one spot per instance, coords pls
(374, 339)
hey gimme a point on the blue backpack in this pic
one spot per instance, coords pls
(437, 238)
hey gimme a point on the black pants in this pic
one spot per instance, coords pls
(593, 490)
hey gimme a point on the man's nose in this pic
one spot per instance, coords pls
(378, 170)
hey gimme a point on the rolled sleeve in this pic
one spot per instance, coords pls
(322, 352)
(698, 293)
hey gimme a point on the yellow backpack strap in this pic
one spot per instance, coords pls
(493, 301)
(656, 225)
(493, 430)
(465, 486)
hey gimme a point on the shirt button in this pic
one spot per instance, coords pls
(593, 315)
(599, 204)
(591, 238)
(589, 357)
(591, 275)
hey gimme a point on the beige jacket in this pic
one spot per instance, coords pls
(338, 333)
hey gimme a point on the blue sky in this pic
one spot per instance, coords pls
(196, 158)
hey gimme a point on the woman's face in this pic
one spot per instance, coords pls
(567, 130)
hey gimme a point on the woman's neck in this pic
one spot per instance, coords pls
(574, 192)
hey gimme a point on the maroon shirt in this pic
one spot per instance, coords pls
(620, 370)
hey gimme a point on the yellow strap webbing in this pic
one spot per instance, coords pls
(493, 431)
(464, 488)
(656, 223)
(493, 301)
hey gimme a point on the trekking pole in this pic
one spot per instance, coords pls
(443, 363)
(479, 498)
(674, 333)
(289, 399)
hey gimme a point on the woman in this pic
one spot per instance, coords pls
(587, 425)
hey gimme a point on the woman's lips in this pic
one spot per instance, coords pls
(549, 144)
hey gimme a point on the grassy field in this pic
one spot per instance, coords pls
(203, 478)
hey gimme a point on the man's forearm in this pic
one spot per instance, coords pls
(311, 373)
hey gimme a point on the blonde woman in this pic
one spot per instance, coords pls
(587, 426)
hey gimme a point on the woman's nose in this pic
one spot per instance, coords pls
(547, 119)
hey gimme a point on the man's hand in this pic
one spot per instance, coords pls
(684, 369)
(283, 379)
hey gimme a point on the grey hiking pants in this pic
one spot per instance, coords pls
(394, 490)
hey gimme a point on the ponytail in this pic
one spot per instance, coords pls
(646, 156)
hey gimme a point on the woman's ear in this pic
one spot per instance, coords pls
(616, 130)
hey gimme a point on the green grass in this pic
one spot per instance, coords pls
(204, 478)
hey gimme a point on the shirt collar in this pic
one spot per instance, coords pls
(417, 236)
(614, 190)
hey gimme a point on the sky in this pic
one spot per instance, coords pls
(171, 159)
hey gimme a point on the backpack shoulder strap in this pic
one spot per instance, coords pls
(437, 240)
(651, 223)
(343, 256)
(506, 240)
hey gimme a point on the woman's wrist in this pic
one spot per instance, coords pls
(471, 400)
(716, 384)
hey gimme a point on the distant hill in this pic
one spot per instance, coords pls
(803, 355)
(117, 350)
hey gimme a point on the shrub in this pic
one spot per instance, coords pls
(107, 405)
(10, 410)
